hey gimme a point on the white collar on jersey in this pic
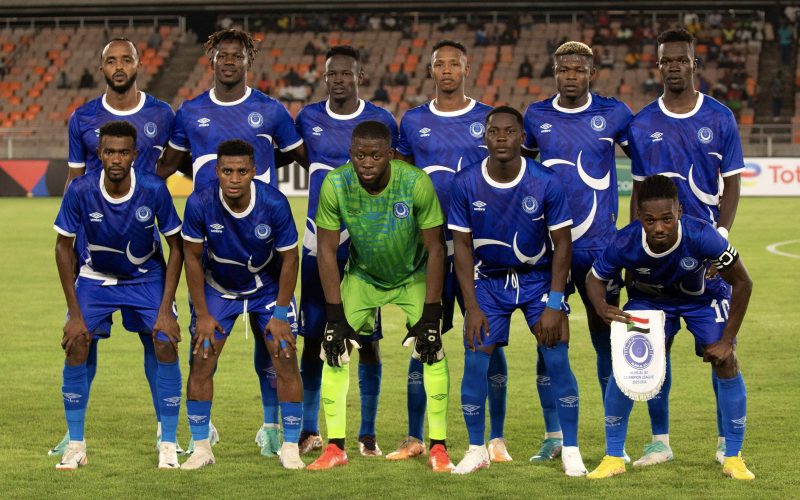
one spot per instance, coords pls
(458, 112)
(335, 116)
(503, 185)
(108, 197)
(129, 112)
(572, 110)
(691, 113)
(667, 252)
(213, 96)
(240, 215)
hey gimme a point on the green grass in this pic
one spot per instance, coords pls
(121, 427)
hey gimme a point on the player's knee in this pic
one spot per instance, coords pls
(202, 369)
(165, 353)
(78, 353)
(728, 368)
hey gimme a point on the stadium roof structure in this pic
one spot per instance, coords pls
(97, 7)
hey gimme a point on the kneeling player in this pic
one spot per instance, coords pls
(122, 268)
(243, 223)
(504, 212)
(667, 255)
(397, 254)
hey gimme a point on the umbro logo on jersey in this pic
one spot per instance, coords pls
(316, 130)
(216, 227)
(96, 217)
(470, 409)
(643, 270)
(97, 132)
(480, 206)
(657, 136)
(425, 132)
(545, 128)
(173, 401)
(203, 122)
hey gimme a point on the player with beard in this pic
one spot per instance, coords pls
(122, 100)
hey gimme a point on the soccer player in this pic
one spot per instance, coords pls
(241, 256)
(666, 254)
(119, 62)
(122, 268)
(441, 137)
(574, 133)
(511, 234)
(232, 110)
(693, 139)
(326, 128)
(397, 256)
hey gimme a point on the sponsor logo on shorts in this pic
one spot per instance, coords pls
(401, 210)
(569, 401)
(150, 129)
(470, 409)
(476, 130)
(612, 421)
(143, 214)
(255, 119)
(529, 204)
(705, 135)
(689, 263)
(598, 123)
(263, 231)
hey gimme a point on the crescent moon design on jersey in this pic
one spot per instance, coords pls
(609, 139)
(689, 292)
(524, 258)
(254, 270)
(100, 248)
(719, 156)
(316, 167)
(596, 184)
(266, 136)
(580, 229)
(310, 237)
(479, 242)
(708, 199)
(437, 168)
(640, 359)
(672, 174)
(138, 261)
(199, 162)
(222, 260)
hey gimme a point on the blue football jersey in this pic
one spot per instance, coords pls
(443, 142)
(578, 144)
(510, 222)
(153, 121)
(327, 137)
(676, 274)
(202, 123)
(240, 246)
(121, 245)
(694, 149)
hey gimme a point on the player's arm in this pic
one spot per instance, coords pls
(298, 154)
(75, 329)
(596, 289)
(530, 153)
(476, 325)
(729, 202)
(195, 281)
(166, 321)
(433, 240)
(171, 161)
(327, 244)
(72, 173)
(732, 270)
(634, 200)
(552, 316)
(278, 327)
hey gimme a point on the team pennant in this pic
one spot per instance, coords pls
(638, 354)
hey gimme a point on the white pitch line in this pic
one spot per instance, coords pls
(774, 249)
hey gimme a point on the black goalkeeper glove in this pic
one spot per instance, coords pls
(426, 335)
(337, 332)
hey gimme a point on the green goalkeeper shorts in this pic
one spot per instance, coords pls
(361, 301)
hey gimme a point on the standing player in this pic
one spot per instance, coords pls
(396, 256)
(326, 128)
(693, 139)
(666, 254)
(232, 110)
(574, 132)
(119, 62)
(234, 227)
(115, 209)
(510, 215)
(441, 137)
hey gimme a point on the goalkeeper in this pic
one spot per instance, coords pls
(397, 254)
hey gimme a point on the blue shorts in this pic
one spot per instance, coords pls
(312, 301)
(705, 317)
(582, 261)
(138, 303)
(451, 293)
(498, 297)
(225, 311)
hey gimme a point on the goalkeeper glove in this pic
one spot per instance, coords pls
(426, 335)
(337, 332)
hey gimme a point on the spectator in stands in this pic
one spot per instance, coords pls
(295, 88)
(547, 71)
(264, 84)
(702, 84)
(777, 90)
(785, 39)
(365, 55)
(87, 80)
(650, 86)
(624, 33)
(389, 22)
(374, 22)
(386, 79)
(631, 59)
(692, 22)
(714, 19)
(525, 69)
(401, 78)
(310, 77)
(380, 95)
(154, 40)
(607, 59)
(509, 36)
(3, 67)
(62, 81)
(225, 23)
(310, 49)
(481, 39)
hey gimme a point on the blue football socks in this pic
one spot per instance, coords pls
(498, 391)
(601, 340)
(311, 373)
(618, 408)
(417, 399)
(199, 415)
(292, 414)
(474, 387)
(267, 380)
(733, 403)
(546, 398)
(369, 385)
(75, 390)
(169, 399)
(151, 370)
(565, 390)
(658, 407)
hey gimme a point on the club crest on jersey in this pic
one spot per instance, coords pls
(203, 122)
(657, 136)
(400, 210)
(425, 132)
(316, 130)
(263, 231)
(476, 130)
(598, 123)
(255, 119)
(638, 351)
(150, 129)
(705, 135)
(143, 214)
(529, 204)
(546, 128)
(689, 263)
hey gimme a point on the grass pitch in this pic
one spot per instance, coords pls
(121, 426)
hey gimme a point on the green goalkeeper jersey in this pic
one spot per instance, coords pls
(386, 246)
